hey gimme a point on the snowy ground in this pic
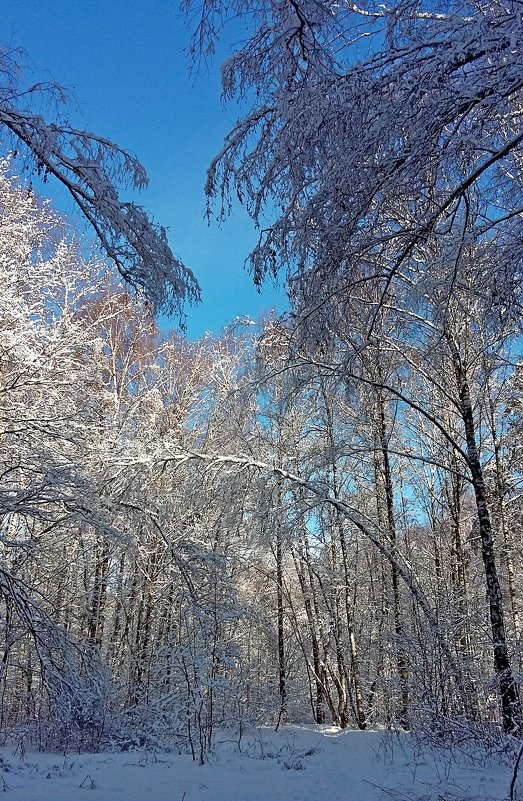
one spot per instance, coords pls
(298, 763)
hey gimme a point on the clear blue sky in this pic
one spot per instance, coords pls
(125, 63)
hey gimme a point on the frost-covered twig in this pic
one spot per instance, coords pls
(93, 169)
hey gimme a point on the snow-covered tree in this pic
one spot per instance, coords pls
(47, 491)
(93, 170)
(383, 144)
(370, 128)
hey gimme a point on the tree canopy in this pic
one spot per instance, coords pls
(375, 133)
(93, 170)
(312, 518)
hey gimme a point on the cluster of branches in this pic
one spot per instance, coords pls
(384, 146)
(373, 131)
(251, 529)
(321, 520)
(93, 170)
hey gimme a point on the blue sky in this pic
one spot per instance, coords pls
(124, 61)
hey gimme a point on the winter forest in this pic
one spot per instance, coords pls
(314, 518)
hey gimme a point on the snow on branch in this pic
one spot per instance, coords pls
(215, 463)
(364, 140)
(62, 660)
(93, 169)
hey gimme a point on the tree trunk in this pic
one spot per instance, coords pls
(510, 703)
(390, 526)
(96, 621)
(459, 581)
(282, 687)
(354, 677)
(501, 487)
(318, 692)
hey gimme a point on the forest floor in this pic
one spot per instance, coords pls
(298, 763)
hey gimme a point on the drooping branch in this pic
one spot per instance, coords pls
(93, 170)
(378, 538)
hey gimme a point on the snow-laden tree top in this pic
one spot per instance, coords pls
(373, 131)
(94, 170)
